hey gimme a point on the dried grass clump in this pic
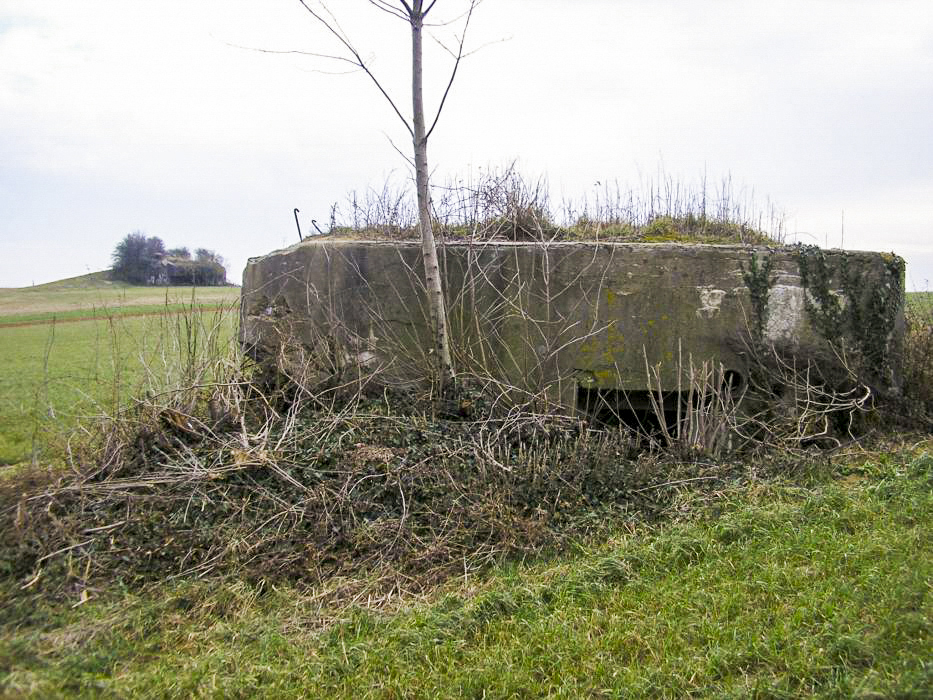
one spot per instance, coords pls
(504, 205)
(306, 495)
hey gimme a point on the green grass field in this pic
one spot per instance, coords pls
(920, 302)
(815, 583)
(76, 348)
(95, 296)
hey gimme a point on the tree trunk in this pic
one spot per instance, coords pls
(435, 291)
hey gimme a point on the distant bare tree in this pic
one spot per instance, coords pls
(413, 12)
(204, 255)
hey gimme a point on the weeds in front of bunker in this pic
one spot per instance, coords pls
(57, 376)
(323, 465)
(331, 478)
(272, 490)
(221, 492)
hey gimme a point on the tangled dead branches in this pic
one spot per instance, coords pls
(311, 495)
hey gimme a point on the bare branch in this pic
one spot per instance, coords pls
(407, 158)
(443, 46)
(320, 71)
(302, 53)
(467, 54)
(456, 19)
(333, 28)
(487, 44)
(389, 9)
(453, 73)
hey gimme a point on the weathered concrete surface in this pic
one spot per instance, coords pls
(562, 315)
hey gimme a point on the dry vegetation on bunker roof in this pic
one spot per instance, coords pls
(507, 206)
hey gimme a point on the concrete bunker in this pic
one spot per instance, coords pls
(583, 325)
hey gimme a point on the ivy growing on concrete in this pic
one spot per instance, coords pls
(758, 279)
(865, 308)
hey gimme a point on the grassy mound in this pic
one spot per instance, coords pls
(92, 280)
(687, 229)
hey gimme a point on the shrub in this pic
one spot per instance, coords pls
(136, 257)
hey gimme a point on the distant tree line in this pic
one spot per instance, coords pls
(141, 259)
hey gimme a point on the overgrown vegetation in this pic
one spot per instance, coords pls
(866, 314)
(212, 532)
(359, 491)
(503, 205)
(141, 259)
(759, 280)
(812, 582)
(917, 403)
(879, 356)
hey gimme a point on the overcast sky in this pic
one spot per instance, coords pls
(124, 115)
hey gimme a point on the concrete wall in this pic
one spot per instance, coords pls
(562, 315)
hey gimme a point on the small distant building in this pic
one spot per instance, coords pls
(171, 270)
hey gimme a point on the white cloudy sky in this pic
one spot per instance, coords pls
(118, 115)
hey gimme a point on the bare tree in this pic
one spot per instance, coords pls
(414, 12)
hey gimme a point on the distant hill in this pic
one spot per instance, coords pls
(93, 280)
(95, 294)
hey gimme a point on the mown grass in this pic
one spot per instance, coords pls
(95, 294)
(106, 312)
(813, 585)
(52, 375)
